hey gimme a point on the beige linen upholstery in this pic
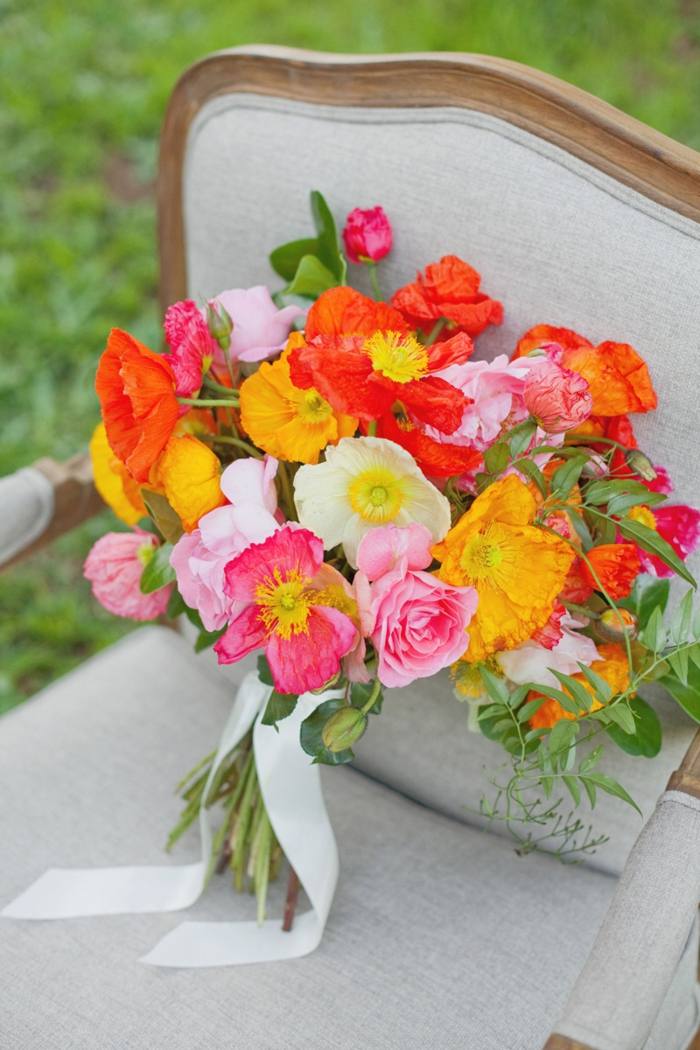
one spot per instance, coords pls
(439, 936)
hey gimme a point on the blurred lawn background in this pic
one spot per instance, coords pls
(83, 87)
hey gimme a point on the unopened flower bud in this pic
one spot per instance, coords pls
(640, 464)
(219, 323)
(614, 624)
(343, 728)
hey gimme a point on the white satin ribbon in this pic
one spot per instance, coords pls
(291, 788)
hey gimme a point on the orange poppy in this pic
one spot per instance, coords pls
(617, 376)
(136, 390)
(615, 566)
(449, 289)
(343, 311)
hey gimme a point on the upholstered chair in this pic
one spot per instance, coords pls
(441, 935)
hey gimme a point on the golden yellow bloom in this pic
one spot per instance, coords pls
(289, 423)
(613, 666)
(517, 569)
(188, 472)
(113, 481)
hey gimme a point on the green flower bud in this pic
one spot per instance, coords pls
(219, 323)
(343, 728)
(614, 624)
(640, 464)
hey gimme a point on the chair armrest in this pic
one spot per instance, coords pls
(42, 502)
(624, 981)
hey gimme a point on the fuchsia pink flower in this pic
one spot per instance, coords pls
(367, 235)
(260, 329)
(114, 567)
(417, 622)
(192, 348)
(558, 398)
(678, 524)
(283, 603)
(200, 557)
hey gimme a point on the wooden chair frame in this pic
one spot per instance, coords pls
(632, 153)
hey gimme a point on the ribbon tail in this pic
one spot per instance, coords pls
(63, 893)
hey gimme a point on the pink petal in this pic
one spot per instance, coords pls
(308, 660)
(244, 634)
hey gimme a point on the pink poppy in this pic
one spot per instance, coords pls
(282, 604)
(114, 567)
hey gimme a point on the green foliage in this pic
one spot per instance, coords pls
(158, 572)
(312, 265)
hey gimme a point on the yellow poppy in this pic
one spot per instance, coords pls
(517, 568)
(289, 423)
(188, 473)
(113, 481)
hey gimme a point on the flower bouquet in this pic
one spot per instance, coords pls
(334, 482)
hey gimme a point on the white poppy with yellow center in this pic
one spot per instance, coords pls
(365, 482)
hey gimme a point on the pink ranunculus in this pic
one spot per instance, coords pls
(558, 398)
(260, 329)
(200, 557)
(114, 567)
(417, 623)
(367, 235)
(533, 662)
(679, 525)
(191, 346)
(279, 593)
(494, 391)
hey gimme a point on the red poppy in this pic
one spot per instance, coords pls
(437, 459)
(136, 389)
(448, 289)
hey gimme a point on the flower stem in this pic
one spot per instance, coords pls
(373, 696)
(227, 439)
(374, 281)
(435, 331)
(209, 402)
(290, 903)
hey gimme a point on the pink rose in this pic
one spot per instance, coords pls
(494, 393)
(367, 235)
(417, 622)
(114, 567)
(558, 398)
(200, 557)
(259, 328)
(191, 346)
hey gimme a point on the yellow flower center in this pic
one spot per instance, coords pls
(377, 495)
(481, 556)
(400, 358)
(643, 515)
(312, 408)
(284, 603)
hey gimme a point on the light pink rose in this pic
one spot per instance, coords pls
(417, 622)
(114, 567)
(495, 394)
(200, 557)
(558, 398)
(259, 328)
(367, 234)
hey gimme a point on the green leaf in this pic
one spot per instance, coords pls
(591, 761)
(158, 572)
(573, 788)
(286, 258)
(205, 639)
(311, 735)
(600, 687)
(496, 458)
(530, 469)
(360, 693)
(264, 672)
(176, 605)
(653, 636)
(565, 477)
(279, 706)
(528, 710)
(579, 692)
(495, 686)
(580, 528)
(624, 501)
(562, 736)
(646, 739)
(590, 791)
(612, 787)
(329, 250)
(566, 701)
(164, 517)
(311, 278)
(647, 595)
(688, 696)
(652, 542)
(599, 492)
(520, 436)
(679, 663)
(621, 716)
(679, 627)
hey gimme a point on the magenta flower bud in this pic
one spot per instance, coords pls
(367, 235)
(558, 398)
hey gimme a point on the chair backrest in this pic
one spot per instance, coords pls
(574, 213)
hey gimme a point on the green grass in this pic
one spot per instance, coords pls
(83, 87)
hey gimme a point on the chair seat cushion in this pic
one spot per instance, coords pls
(440, 935)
